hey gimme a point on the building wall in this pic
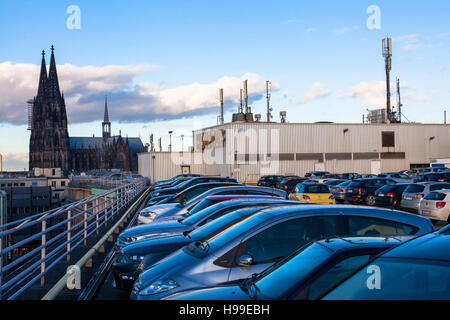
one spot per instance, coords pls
(1, 163)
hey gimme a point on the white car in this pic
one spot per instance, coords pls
(436, 205)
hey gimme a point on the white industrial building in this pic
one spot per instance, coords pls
(248, 150)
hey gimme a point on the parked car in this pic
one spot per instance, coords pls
(368, 175)
(390, 195)
(312, 193)
(188, 223)
(397, 177)
(363, 190)
(172, 184)
(304, 275)
(338, 191)
(333, 182)
(414, 193)
(436, 205)
(279, 183)
(351, 176)
(269, 181)
(317, 174)
(188, 175)
(133, 178)
(416, 270)
(439, 177)
(144, 253)
(261, 240)
(190, 183)
(289, 185)
(187, 194)
(162, 211)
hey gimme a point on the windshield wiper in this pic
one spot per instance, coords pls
(249, 286)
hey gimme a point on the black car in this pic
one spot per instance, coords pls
(278, 185)
(363, 190)
(436, 176)
(390, 195)
(269, 181)
(289, 185)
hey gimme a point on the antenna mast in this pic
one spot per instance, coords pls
(399, 102)
(387, 54)
(268, 95)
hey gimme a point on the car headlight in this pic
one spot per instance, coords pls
(158, 287)
(148, 214)
(155, 194)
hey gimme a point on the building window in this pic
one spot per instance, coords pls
(53, 172)
(63, 183)
(54, 184)
(388, 138)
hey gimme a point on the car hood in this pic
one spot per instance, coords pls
(160, 208)
(161, 244)
(165, 227)
(213, 293)
(170, 267)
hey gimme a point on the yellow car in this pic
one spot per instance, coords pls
(312, 193)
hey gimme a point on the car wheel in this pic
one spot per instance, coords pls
(370, 200)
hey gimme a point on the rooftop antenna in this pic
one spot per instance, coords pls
(283, 116)
(221, 120)
(241, 105)
(387, 54)
(160, 145)
(399, 102)
(152, 145)
(268, 95)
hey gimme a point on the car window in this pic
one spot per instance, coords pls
(398, 279)
(439, 186)
(437, 196)
(258, 193)
(366, 226)
(335, 274)
(280, 240)
(414, 188)
(316, 189)
(188, 195)
(219, 214)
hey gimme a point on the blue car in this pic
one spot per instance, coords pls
(307, 273)
(263, 239)
(416, 270)
(145, 253)
(198, 219)
(192, 182)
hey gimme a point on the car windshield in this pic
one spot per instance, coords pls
(205, 203)
(414, 188)
(316, 188)
(396, 279)
(276, 280)
(388, 187)
(344, 184)
(194, 218)
(354, 184)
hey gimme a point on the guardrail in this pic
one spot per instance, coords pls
(52, 236)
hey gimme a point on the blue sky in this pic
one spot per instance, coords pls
(323, 60)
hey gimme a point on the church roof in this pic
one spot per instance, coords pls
(98, 142)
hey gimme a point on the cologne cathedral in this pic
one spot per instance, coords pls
(50, 144)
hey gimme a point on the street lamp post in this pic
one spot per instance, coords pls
(170, 141)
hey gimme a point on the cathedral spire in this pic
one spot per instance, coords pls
(42, 77)
(106, 125)
(53, 84)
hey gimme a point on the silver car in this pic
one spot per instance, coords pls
(414, 193)
(397, 177)
(161, 211)
(259, 241)
(436, 205)
(339, 191)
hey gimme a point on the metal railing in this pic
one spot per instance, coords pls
(49, 237)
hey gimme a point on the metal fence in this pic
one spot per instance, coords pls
(47, 238)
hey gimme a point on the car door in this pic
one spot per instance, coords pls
(274, 242)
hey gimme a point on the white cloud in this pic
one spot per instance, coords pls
(86, 87)
(15, 161)
(317, 90)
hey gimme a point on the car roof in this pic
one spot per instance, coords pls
(441, 191)
(336, 244)
(240, 196)
(433, 246)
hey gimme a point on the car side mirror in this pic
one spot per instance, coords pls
(245, 260)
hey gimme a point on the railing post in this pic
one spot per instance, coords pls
(105, 206)
(43, 251)
(69, 233)
(85, 223)
(96, 215)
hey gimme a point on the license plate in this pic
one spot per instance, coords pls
(349, 190)
(426, 211)
(381, 195)
(408, 198)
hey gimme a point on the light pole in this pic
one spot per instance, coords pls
(170, 141)
(182, 143)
